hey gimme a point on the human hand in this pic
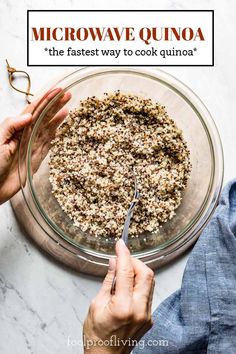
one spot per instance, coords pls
(115, 320)
(11, 132)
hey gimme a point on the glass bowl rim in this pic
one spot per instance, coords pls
(210, 129)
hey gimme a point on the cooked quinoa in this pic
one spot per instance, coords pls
(94, 155)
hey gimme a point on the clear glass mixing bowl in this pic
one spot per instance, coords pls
(199, 199)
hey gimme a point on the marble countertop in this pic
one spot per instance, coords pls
(42, 303)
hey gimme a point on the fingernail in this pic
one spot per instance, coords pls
(121, 243)
(112, 264)
(24, 116)
(122, 246)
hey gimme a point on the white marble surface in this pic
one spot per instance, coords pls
(43, 304)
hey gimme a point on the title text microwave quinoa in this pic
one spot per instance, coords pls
(95, 153)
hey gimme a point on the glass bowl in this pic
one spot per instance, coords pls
(59, 236)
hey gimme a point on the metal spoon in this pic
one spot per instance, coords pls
(125, 232)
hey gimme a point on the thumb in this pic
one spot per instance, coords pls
(107, 282)
(12, 125)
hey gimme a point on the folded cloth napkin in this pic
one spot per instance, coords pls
(201, 316)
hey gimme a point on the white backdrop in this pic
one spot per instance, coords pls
(41, 304)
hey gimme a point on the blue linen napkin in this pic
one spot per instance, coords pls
(201, 317)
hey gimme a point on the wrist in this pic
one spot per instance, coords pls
(95, 345)
(95, 349)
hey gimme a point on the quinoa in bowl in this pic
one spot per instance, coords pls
(95, 152)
